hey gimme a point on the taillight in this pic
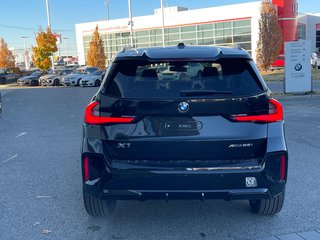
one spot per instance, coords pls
(275, 114)
(86, 169)
(283, 167)
(92, 116)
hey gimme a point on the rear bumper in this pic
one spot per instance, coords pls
(142, 195)
(125, 183)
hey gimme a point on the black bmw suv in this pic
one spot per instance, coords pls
(185, 122)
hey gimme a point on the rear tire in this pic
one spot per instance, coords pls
(33, 83)
(3, 81)
(56, 82)
(97, 83)
(268, 206)
(96, 207)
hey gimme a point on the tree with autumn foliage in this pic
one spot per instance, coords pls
(270, 36)
(6, 56)
(95, 55)
(46, 46)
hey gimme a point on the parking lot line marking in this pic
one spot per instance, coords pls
(46, 197)
(10, 158)
(21, 134)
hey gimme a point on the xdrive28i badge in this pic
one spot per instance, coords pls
(183, 107)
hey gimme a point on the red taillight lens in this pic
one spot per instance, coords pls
(275, 114)
(92, 116)
(283, 167)
(86, 169)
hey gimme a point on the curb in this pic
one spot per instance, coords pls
(314, 94)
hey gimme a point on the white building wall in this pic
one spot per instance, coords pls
(311, 30)
(310, 20)
(214, 14)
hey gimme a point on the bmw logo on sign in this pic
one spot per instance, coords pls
(298, 67)
(183, 107)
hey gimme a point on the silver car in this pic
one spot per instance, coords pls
(54, 78)
(315, 60)
(74, 78)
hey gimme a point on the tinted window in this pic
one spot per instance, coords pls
(97, 73)
(132, 79)
(13, 70)
(91, 70)
(36, 74)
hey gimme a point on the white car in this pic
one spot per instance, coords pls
(54, 78)
(75, 77)
(92, 80)
(176, 72)
(315, 60)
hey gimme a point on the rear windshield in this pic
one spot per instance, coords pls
(175, 79)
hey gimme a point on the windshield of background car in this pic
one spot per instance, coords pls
(35, 74)
(163, 80)
(97, 73)
(91, 70)
(78, 71)
(66, 72)
(3, 70)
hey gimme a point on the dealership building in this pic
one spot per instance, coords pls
(224, 25)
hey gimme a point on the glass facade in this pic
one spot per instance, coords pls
(318, 37)
(302, 31)
(216, 33)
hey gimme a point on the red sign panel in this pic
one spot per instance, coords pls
(58, 38)
(318, 27)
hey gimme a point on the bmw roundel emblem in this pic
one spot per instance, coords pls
(298, 67)
(183, 107)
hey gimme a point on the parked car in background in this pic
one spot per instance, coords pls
(29, 72)
(59, 62)
(278, 64)
(74, 78)
(146, 140)
(73, 66)
(31, 80)
(187, 71)
(315, 60)
(93, 79)
(54, 78)
(9, 75)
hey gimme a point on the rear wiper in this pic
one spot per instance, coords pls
(185, 93)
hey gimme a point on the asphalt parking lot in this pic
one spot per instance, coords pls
(40, 179)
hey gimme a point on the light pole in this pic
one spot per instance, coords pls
(162, 15)
(49, 26)
(66, 46)
(25, 53)
(130, 22)
(48, 14)
(106, 2)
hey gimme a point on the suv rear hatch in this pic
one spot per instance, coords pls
(215, 119)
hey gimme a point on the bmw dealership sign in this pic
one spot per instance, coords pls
(297, 67)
